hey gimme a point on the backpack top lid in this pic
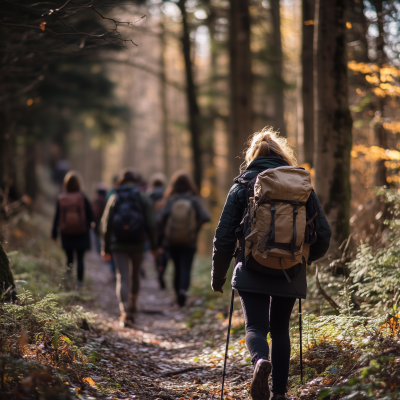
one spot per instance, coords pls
(284, 183)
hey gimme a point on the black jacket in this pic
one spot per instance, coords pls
(75, 242)
(225, 241)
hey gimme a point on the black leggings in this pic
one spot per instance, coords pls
(183, 260)
(263, 314)
(70, 261)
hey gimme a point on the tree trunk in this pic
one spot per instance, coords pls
(277, 68)
(31, 183)
(333, 122)
(6, 278)
(380, 132)
(163, 95)
(306, 130)
(240, 80)
(193, 108)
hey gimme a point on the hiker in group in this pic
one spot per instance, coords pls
(98, 205)
(156, 192)
(182, 218)
(126, 224)
(276, 218)
(73, 220)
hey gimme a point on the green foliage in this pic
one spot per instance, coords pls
(43, 320)
(375, 272)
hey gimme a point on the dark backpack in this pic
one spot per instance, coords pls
(128, 222)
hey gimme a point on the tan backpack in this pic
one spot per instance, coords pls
(276, 228)
(181, 225)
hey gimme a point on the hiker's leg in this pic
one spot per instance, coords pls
(121, 262)
(256, 316)
(81, 267)
(175, 255)
(70, 259)
(186, 263)
(281, 309)
(134, 279)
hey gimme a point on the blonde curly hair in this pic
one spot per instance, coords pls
(267, 142)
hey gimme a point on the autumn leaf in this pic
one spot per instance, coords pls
(89, 381)
(42, 25)
(242, 341)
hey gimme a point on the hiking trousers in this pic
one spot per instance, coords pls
(127, 268)
(79, 257)
(265, 314)
(183, 260)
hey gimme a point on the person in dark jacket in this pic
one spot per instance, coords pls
(127, 254)
(74, 239)
(267, 300)
(156, 195)
(182, 189)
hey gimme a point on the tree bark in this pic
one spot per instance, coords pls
(7, 285)
(277, 68)
(333, 122)
(241, 78)
(191, 93)
(380, 132)
(163, 95)
(306, 130)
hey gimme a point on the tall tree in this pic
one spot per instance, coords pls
(191, 94)
(277, 67)
(306, 128)
(380, 132)
(240, 79)
(333, 121)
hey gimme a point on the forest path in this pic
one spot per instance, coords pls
(149, 360)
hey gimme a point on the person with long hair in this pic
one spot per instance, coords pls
(267, 299)
(182, 218)
(73, 220)
(126, 224)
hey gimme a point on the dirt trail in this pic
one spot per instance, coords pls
(155, 358)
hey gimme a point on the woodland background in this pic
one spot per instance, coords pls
(165, 85)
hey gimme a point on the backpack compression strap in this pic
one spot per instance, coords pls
(270, 235)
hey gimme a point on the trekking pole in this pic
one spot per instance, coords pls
(301, 343)
(227, 343)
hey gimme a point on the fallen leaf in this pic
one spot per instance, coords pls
(242, 341)
(174, 376)
(42, 25)
(89, 381)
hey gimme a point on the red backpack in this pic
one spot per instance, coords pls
(72, 213)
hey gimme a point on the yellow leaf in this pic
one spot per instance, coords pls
(89, 381)
(242, 341)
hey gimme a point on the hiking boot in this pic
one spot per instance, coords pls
(181, 299)
(259, 386)
(161, 282)
(126, 320)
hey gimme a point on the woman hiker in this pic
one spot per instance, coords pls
(182, 218)
(73, 220)
(268, 297)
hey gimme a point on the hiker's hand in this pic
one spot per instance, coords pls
(218, 291)
(105, 256)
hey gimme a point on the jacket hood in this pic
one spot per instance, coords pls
(259, 165)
